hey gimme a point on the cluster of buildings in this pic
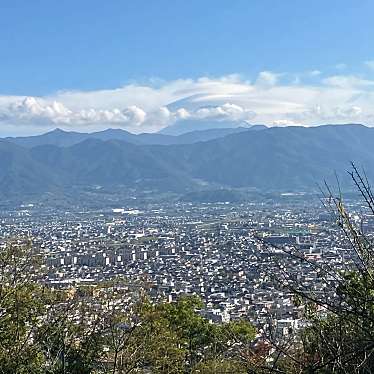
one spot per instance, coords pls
(239, 258)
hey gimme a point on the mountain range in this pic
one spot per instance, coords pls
(270, 159)
(63, 138)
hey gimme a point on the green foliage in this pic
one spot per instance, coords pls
(339, 336)
(343, 339)
(195, 332)
(221, 366)
(21, 307)
(101, 329)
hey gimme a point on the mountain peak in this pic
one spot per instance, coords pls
(277, 159)
(57, 130)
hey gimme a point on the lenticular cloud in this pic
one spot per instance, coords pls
(271, 99)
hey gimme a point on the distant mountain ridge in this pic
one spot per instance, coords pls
(190, 125)
(289, 158)
(63, 138)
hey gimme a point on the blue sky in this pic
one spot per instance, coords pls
(52, 48)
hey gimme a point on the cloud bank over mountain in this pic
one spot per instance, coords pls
(272, 98)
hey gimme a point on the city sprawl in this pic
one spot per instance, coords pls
(233, 256)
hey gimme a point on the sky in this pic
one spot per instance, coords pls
(145, 64)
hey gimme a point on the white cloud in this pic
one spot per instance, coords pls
(133, 115)
(267, 78)
(346, 81)
(315, 73)
(284, 122)
(182, 113)
(226, 111)
(142, 108)
(339, 114)
(31, 109)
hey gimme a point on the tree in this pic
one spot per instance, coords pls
(21, 306)
(208, 346)
(106, 328)
(339, 336)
